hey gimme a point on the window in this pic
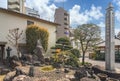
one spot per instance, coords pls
(65, 14)
(65, 18)
(65, 24)
(30, 22)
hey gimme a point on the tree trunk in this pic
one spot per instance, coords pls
(83, 58)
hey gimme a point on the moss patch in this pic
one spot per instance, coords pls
(46, 68)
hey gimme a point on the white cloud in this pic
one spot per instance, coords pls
(117, 12)
(101, 24)
(3, 3)
(117, 30)
(117, 2)
(59, 1)
(95, 12)
(46, 10)
(117, 15)
(77, 17)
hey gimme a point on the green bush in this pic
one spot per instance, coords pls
(33, 33)
(75, 52)
(66, 58)
(97, 55)
(73, 60)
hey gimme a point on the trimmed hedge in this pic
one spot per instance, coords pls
(63, 44)
(33, 33)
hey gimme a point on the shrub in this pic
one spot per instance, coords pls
(66, 58)
(73, 60)
(75, 52)
(33, 33)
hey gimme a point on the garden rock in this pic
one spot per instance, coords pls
(19, 72)
(66, 70)
(36, 63)
(14, 64)
(35, 58)
(39, 52)
(80, 73)
(27, 57)
(87, 79)
(64, 79)
(4, 71)
(23, 70)
(31, 71)
(102, 76)
(9, 76)
(22, 78)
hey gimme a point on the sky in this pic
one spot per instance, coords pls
(81, 11)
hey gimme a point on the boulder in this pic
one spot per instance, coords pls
(80, 73)
(0, 70)
(102, 76)
(87, 79)
(39, 52)
(63, 79)
(35, 57)
(10, 76)
(31, 71)
(22, 78)
(14, 63)
(27, 57)
(23, 70)
(4, 71)
(36, 63)
(66, 70)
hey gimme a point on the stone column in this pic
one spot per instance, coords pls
(109, 44)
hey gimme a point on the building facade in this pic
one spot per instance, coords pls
(62, 18)
(16, 5)
(32, 12)
(10, 20)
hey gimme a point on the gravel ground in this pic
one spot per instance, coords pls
(52, 75)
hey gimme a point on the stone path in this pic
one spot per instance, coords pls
(101, 63)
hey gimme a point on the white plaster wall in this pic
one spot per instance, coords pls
(9, 21)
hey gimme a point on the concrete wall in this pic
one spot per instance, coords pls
(10, 21)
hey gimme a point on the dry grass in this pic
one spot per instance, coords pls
(2, 77)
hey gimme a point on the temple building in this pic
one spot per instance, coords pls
(10, 20)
